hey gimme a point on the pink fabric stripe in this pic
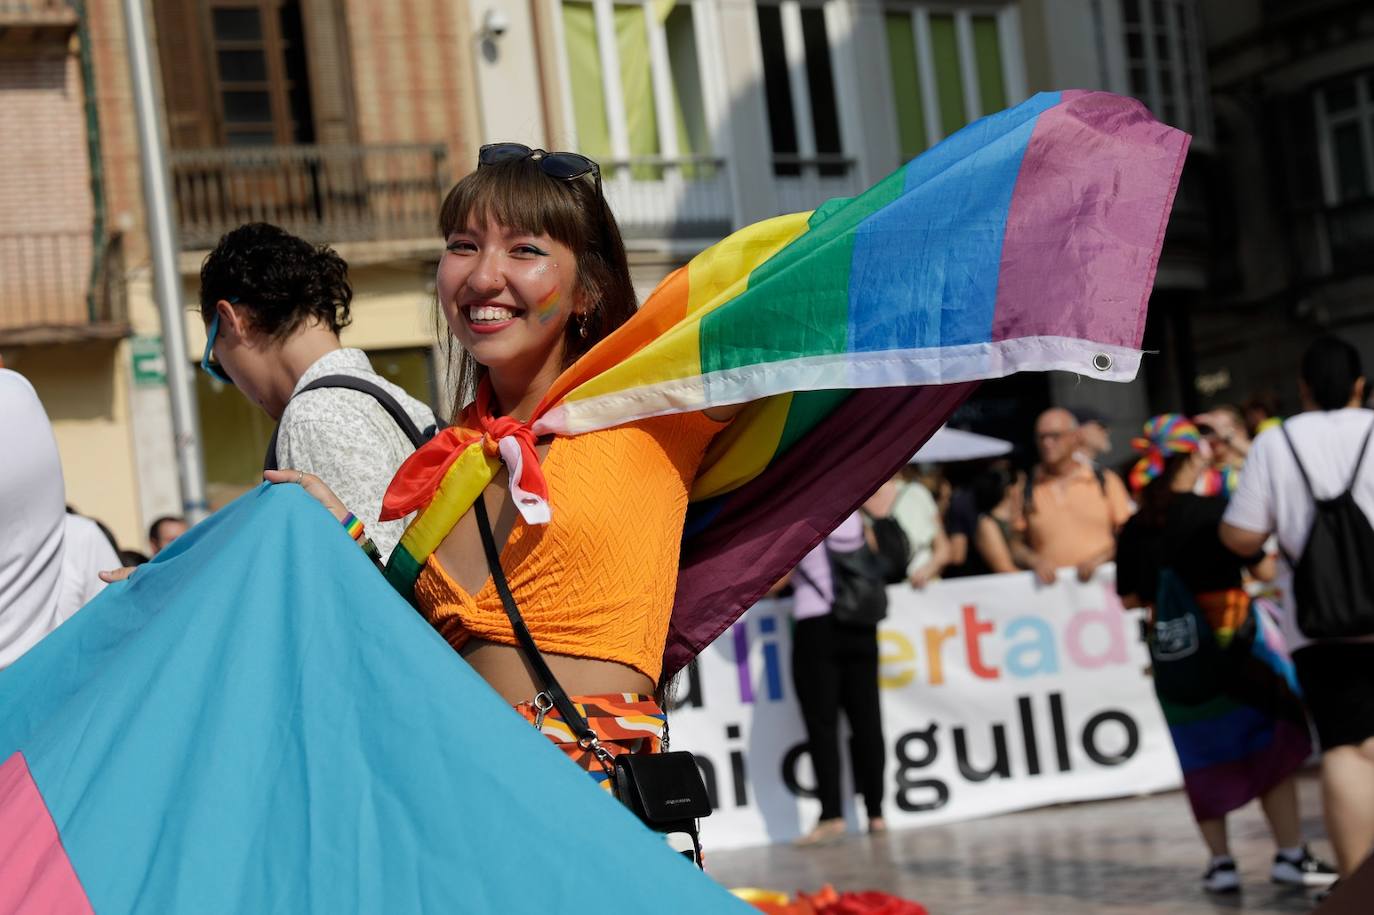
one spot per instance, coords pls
(35, 874)
(1089, 276)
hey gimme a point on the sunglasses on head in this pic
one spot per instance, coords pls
(565, 166)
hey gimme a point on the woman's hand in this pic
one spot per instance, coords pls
(313, 485)
(115, 575)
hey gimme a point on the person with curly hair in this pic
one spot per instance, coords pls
(273, 306)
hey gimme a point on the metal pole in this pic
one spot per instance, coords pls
(166, 278)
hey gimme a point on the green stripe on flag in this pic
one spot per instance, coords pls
(797, 302)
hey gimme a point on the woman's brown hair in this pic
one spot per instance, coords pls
(518, 195)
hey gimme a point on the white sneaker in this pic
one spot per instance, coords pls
(1221, 877)
(1308, 870)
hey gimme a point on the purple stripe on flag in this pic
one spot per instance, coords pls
(1107, 162)
(1216, 790)
(768, 525)
(35, 874)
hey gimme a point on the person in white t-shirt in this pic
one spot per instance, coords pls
(907, 500)
(1336, 676)
(48, 558)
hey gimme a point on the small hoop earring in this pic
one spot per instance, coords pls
(582, 326)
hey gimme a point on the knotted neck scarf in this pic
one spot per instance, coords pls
(419, 476)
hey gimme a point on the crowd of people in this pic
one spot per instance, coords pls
(1243, 537)
(534, 274)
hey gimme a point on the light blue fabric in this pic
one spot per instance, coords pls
(941, 240)
(256, 722)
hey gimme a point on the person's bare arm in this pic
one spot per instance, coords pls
(779, 585)
(1240, 541)
(1267, 569)
(958, 549)
(993, 547)
(939, 558)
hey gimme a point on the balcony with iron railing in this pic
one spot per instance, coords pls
(49, 292)
(33, 22)
(334, 194)
(657, 197)
(805, 182)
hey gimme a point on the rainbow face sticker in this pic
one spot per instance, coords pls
(547, 307)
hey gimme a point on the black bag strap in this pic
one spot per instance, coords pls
(1307, 481)
(1359, 461)
(362, 386)
(1354, 474)
(586, 737)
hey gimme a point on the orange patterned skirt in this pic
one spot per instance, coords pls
(624, 723)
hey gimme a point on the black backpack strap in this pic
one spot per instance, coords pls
(1359, 461)
(362, 386)
(1307, 481)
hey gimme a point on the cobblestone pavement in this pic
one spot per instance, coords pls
(1140, 855)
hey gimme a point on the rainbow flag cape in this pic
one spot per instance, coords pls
(257, 722)
(1027, 241)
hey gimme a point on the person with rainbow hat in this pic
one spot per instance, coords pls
(1221, 672)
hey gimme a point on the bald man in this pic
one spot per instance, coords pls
(1072, 510)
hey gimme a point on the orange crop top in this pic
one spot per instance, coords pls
(598, 580)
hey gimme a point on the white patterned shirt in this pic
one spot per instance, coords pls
(349, 440)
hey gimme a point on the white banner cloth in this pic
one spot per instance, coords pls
(998, 694)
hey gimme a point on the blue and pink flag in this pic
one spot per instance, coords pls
(257, 722)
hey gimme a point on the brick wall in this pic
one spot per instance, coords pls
(413, 74)
(45, 202)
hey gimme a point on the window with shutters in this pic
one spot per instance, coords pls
(1345, 148)
(234, 72)
(805, 124)
(638, 89)
(1345, 129)
(950, 66)
(258, 50)
(1165, 62)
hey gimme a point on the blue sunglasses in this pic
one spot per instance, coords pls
(208, 365)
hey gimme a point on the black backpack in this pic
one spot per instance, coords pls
(894, 548)
(1333, 580)
(416, 435)
(857, 585)
(1187, 661)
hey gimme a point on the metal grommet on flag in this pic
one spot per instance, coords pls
(1102, 362)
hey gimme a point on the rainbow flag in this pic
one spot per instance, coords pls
(256, 722)
(1027, 241)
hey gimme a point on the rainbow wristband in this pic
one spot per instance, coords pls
(353, 526)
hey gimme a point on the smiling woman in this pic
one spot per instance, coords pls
(544, 248)
(534, 275)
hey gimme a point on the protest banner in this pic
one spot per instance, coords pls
(998, 694)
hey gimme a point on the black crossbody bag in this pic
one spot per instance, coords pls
(665, 790)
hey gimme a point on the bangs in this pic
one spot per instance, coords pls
(519, 196)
